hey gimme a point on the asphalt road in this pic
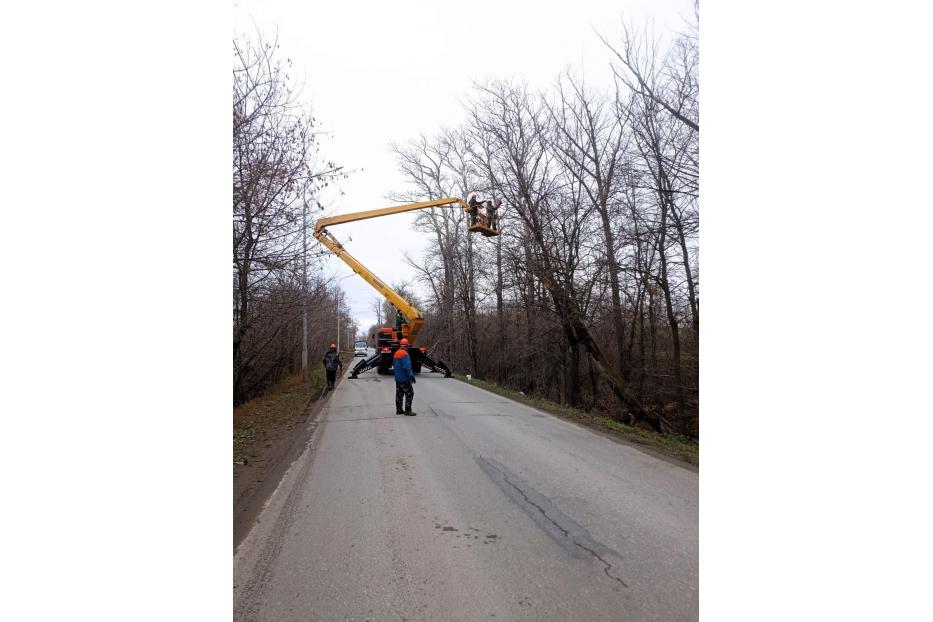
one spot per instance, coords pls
(479, 508)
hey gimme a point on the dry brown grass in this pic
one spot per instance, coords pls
(271, 415)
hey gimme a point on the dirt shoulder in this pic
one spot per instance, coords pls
(269, 433)
(670, 446)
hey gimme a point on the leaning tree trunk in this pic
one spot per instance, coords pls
(568, 309)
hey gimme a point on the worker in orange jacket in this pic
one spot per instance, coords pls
(404, 378)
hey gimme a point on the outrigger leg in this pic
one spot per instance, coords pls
(435, 366)
(365, 365)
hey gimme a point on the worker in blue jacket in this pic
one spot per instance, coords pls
(404, 378)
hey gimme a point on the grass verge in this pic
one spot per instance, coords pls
(271, 415)
(673, 445)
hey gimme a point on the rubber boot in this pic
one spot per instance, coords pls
(410, 412)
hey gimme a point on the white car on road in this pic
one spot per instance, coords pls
(360, 349)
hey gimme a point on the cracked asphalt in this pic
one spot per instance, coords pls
(479, 508)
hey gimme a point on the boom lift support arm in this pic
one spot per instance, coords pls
(382, 360)
(412, 315)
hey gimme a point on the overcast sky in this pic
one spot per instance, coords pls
(378, 72)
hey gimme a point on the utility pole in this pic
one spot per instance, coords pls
(304, 288)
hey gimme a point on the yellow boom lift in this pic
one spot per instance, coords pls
(409, 320)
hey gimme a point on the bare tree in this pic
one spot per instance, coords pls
(274, 164)
(637, 66)
(591, 142)
(588, 291)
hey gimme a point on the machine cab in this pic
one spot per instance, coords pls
(385, 339)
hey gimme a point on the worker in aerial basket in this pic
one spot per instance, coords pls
(331, 363)
(492, 216)
(404, 378)
(474, 204)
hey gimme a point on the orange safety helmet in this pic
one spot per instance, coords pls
(333, 345)
(403, 342)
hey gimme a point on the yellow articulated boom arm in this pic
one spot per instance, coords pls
(386, 211)
(413, 315)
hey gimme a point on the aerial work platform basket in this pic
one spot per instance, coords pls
(481, 226)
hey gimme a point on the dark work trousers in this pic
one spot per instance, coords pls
(473, 215)
(331, 376)
(404, 389)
